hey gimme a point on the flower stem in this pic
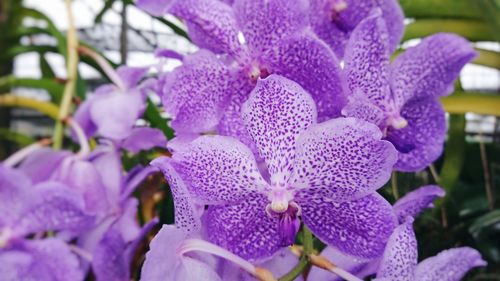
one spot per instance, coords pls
(69, 88)
(304, 259)
(20, 155)
(105, 66)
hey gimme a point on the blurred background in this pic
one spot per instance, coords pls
(32, 64)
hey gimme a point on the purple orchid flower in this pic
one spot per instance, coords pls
(244, 42)
(27, 209)
(410, 205)
(114, 109)
(400, 260)
(324, 173)
(335, 20)
(402, 98)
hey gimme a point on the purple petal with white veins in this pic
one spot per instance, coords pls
(421, 142)
(401, 255)
(14, 194)
(40, 165)
(54, 207)
(429, 69)
(131, 75)
(115, 113)
(42, 260)
(449, 265)
(357, 228)
(108, 261)
(265, 22)
(244, 229)
(187, 215)
(195, 94)
(334, 20)
(342, 159)
(308, 61)
(356, 266)
(276, 112)
(155, 7)
(84, 178)
(218, 170)
(211, 24)
(367, 60)
(416, 201)
(144, 138)
(107, 163)
(163, 261)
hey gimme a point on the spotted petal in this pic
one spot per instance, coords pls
(195, 93)
(343, 159)
(429, 69)
(244, 229)
(367, 60)
(334, 20)
(416, 201)
(218, 169)
(358, 228)
(308, 61)
(449, 265)
(277, 111)
(187, 216)
(264, 23)
(400, 256)
(421, 142)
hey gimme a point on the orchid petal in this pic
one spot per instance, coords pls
(429, 69)
(400, 256)
(343, 159)
(131, 75)
(144, 138)
(416, 201)
(218, 169)
(449, 265)
(358, 228)
(421, 142)
(195, 93)
(308, 61)
(244, 229)
(14, 187)
(40, 165)
(277, 111)
(156, 8)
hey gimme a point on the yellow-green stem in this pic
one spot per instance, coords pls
(46, 108)
(69, 88)
(307, 239)
(461, 103)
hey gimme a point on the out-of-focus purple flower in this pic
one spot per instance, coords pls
(37, 208)
(244, 42)
(410, 205)
(400, 260)
(324, 173)
(334, 20)
(402, 98)
(113, 109)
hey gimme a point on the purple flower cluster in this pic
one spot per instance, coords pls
(290, 115)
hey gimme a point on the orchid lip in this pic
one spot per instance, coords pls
(5, 236)
(397, 122)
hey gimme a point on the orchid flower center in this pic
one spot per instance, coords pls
(337, 7)
(257, 71)
(286, 211)
(5, 236)
(397, 122)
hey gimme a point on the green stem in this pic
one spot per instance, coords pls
(69, 89)
(46, 108)
(473, 30)
(52, 86)
(487, 58)
(460, 103)
(304, 258)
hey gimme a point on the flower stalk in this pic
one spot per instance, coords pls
(105, 66)
(308, 249)
(46, 108)
(69, 88)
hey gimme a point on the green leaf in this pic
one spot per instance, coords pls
(174, 27)
(45, 67)
(440, 9)
(54, 88)
(473, 30)
(20, 139)
(463, 102)
(153, 116)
